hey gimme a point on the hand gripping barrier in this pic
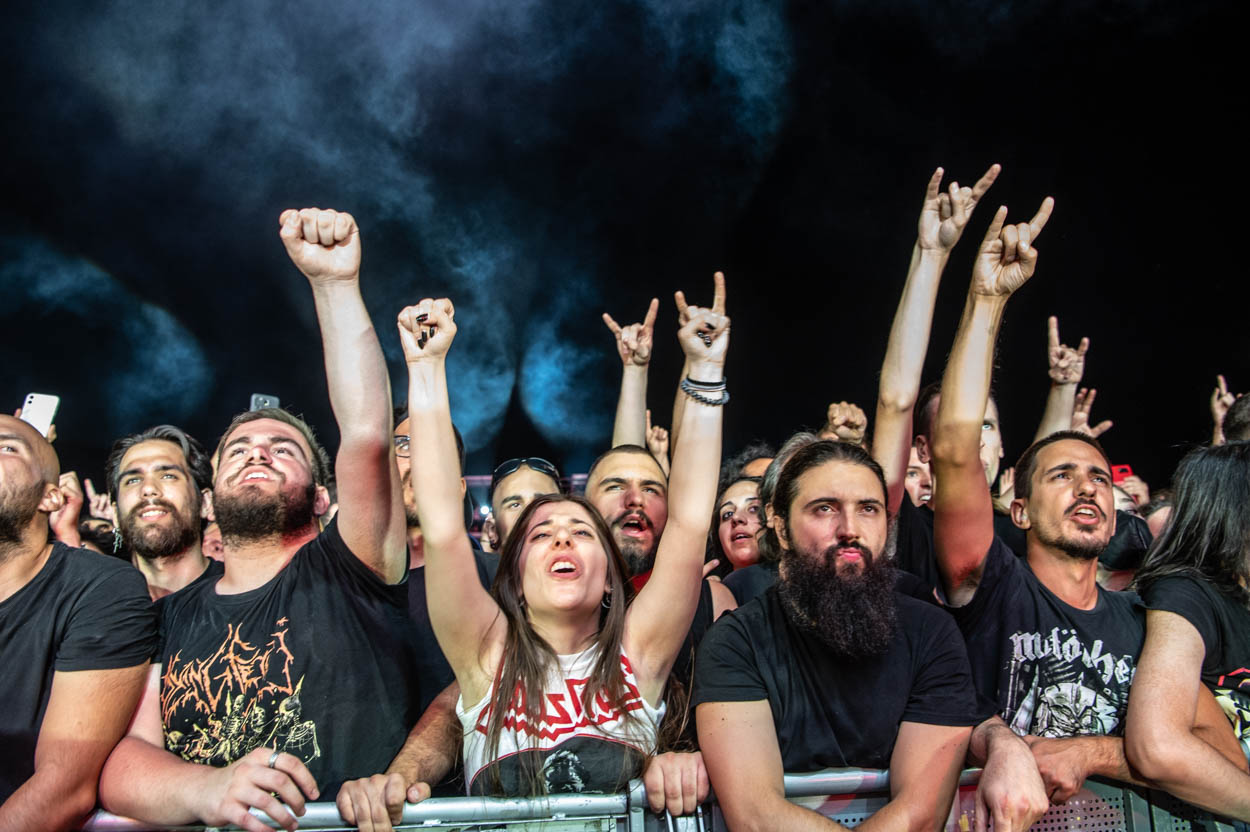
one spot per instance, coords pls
(847, 796)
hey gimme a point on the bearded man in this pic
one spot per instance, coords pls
(832, 666)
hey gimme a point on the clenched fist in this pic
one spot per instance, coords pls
(426, 330)
(324, 245)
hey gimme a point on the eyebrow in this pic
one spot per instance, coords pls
(866, 501)
(1072, 466)
(14, 437)
(549, 521)
(522, 496)
(163, 467)
(744, 502)
(623, 481)
(273, 440)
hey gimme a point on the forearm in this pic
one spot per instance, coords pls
(68, 534)
(679, 409)
(148, 783)
(1181, 764)
(49, 800)
(432, 745)
(435, 479)
(1105, 758)
(631, 407)
(360, 392)
(764, 813)
(990, 736)
(1058, 413)
(966, 384)
(909, 332)
(696, 462)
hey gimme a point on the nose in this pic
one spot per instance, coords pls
(848, 529)
(562, 538)
(149, 488)
(739, 517)
(259, 453)
(633, 497)
(1085, 486)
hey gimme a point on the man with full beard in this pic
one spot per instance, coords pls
(291, 672)
(159, 481)
(76, 631)
(831, 666)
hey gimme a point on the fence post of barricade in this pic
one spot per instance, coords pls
(636, 806)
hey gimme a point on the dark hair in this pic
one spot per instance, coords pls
(322, 470)
(923, 415)
(731, 469)
(1028, 459)
(1236, 424)
(527, 657)
(1159, 500)
(808, 457)
(622, 449)
(770, 546)
(1208, 535)
(199, 465)
(400, 413)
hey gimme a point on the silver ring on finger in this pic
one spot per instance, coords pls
(273, 759)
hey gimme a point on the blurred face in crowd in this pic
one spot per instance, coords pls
(918, 483)
(404, 463)
(28, 475)
(158, 505)
(1071, 507)
(563, 562)
(1158, 521)
(264, 482)
(836, 578)
(512, 494)
(1123, 501)
(631, 492)
(739, 517)
(756, 467)
(210, 543)
(991, 439)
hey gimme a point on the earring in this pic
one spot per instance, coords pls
(607, 600)
(117, 540)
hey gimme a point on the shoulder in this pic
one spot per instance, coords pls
(86, 572)
(924, 621)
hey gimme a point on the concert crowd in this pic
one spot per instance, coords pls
(253, 623)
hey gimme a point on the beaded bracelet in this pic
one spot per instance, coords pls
(693, 392)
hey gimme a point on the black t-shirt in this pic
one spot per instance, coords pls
(1047, 668)
(318, 662)
(434, 674)
(830, 711)
(81, 611)
(751, 581)
(1224, 624)
(915, 551)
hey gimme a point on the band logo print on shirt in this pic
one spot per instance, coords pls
(564, 714)
(242, 697)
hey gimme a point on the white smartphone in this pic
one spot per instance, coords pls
(39, 411)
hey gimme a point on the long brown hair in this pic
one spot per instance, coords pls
(527, 657)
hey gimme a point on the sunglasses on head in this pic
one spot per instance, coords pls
(511, 466)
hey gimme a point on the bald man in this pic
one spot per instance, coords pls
(76, 632)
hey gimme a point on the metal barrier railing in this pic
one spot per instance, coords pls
(847, 796)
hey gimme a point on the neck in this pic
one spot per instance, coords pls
(254, 562)
(565, 633)
(416, 547)
(20, 562)
(1073, 580)
(166, 575)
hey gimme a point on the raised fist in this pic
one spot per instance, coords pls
(426, 330)
(634, 342)
(846, 422)
(324, 245)
(1007, 258)
(1067, 365)
(944, 216)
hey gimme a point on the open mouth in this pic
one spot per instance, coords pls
(564, 568)
(1085, 514)
(741, 536)
(635, 525)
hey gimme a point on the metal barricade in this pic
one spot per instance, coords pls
(848, 796)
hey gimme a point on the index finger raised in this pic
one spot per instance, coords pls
(612, 324)
(1223, 385)
(983, 184)
(996, 226)
(1042, 216)
(1052, 332)
(652, 310)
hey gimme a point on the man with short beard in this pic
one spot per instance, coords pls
(76, 631)
(293, 671)
(159, 481)
(832, 666)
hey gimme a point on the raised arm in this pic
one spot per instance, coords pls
(325, 246)
(1067, 366)
(943, 217)
(1159, 737)
(467, 621)
(86, 715)
(634, 343)
(963, 514)
(684, 313)
(660, 616)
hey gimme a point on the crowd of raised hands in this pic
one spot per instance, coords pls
(277, 626)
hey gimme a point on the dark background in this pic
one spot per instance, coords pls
(541, 162)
